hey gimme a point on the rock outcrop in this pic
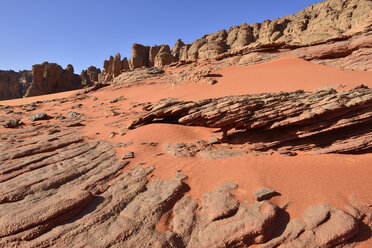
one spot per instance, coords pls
(164, 57)
(315, 24)
(112, 68)
(14, 84)
(50, 78)
(9, 85)
(176, 50)
(49, 178)
(140, 56)
(325, 121)
(89, 76)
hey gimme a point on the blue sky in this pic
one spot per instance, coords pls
(85, 32)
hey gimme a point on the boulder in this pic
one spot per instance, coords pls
(244, 36)
(164, 57)
(140, 56)
(193, 51)
(177, 48)
(210, 50)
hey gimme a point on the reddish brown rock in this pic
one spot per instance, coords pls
(210, 50)
(264, 116)
(9, 85)
(51, 78)
(154, 50)
(140, 56)
(89, 76)
(113, 68)
(176, 50)
(164, 57)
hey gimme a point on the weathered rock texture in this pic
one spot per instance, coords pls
(14, 84)
(112, 68)
(140, 56)
(315, 24)
(58, 189)
(50, 78)
(325, 121)
(89, 76)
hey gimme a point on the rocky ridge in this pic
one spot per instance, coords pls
(293, 121)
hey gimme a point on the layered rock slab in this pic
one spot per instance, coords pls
(325, 121)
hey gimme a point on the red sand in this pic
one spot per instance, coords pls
(284, 74)
(27, 100)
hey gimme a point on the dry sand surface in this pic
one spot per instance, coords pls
(302, 180)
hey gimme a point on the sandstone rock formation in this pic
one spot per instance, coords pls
(112, 68)
(154, 50)
(315, 24)
(14, 84)
(140, 56)
(176, 50)
(301, 120)
(163, 57)
(9, 85)
(89, 76)
(51, 78)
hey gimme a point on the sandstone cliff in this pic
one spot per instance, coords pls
(315, 24)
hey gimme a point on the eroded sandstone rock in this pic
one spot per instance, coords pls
(89, 76)
(51, 78)
(140, 56)
(14, 84)
(261, 117)
(112, 68)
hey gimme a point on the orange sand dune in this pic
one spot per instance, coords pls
(27, 100)
(284, 74)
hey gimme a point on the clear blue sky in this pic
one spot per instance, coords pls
(85, 32)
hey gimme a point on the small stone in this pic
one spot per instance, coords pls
(77, 106)
(59, 116)
(13, 123)
(213, 140)
(75, 115)
(53, 131)
(128, 155)
(264, 194)
(39, 116)
(112, 135)
(117, 99)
